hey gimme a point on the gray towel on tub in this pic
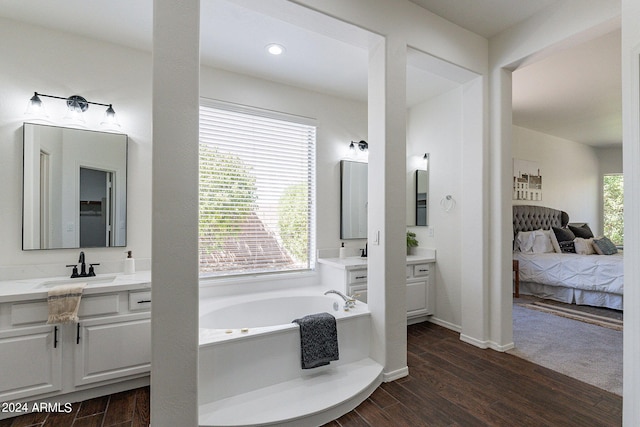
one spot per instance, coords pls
(318, 339)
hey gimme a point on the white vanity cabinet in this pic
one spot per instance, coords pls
(112, 347)
(357, 284)
(420, 298)
(111, 343)
(31, 361)
(350, 275)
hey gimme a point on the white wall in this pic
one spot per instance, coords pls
(610, 160)
(339, 122)
(570, 174)
(631, 147)
(435, 127)
(55, 63)
(127, 87)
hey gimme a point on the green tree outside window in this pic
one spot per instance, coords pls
(613, 197)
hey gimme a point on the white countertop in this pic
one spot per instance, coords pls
(356, 262)
(31, 289)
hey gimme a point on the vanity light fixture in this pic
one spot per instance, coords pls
(275, 49)
(76, 106)
(362, 146)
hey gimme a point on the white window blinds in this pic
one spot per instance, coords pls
(257, 189)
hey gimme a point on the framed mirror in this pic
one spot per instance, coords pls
(74, 188)
(353, 200)
(422, 190)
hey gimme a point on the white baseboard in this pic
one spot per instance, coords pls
(445, 324)
(486, 344)
(473, 341)
(394, 375)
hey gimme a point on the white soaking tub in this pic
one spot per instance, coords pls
(249, 361)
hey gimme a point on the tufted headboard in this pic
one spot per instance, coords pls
(529, 218)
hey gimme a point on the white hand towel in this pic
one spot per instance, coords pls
(63, 302)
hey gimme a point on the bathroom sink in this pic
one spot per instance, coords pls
(88, 280)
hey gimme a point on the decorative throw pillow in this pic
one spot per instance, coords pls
(563, 235)
(554, 242)
(583, 231)
(567, 247)
(584, 246)
(604, 246)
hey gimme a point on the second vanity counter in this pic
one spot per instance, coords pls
(355, 262)
(34, 289)
(350, 275)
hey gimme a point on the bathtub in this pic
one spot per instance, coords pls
(249, 361)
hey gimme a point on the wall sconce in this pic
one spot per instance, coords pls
(362, 146)
(426, 161)
(76, 106)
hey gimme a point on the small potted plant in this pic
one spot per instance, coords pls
(411, 241)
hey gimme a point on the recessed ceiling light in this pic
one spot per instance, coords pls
(275, 49)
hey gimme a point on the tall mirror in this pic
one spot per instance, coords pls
(353, 200)
(74, 188)
(422, 195)
(422, 179)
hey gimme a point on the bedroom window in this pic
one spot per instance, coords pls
(257, 187)
(613, 209)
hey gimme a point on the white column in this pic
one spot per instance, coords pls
(478, 298)
(174, 313)
(387, 191)
(631, 166)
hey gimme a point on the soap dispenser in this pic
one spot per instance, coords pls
(129, 264)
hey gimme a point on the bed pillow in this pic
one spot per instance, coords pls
(584, 246)
(583, 231)
(604, 246)
(524, 241)
(542, 242)
(562, 235)
(537, 241)
(568, 247)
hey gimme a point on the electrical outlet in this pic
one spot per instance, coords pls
(430, 231)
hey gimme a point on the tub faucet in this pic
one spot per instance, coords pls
(349, 302)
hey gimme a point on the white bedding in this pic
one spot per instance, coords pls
(600, 273)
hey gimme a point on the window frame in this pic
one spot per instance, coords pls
(238, 275)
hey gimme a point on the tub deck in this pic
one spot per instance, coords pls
(252, 376)
(311, 400)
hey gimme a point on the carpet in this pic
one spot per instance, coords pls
(576, 313)
(584, 351)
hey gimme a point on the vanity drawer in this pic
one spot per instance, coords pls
(37, 312)
(139, 300)
(421, 270)
(357, 276)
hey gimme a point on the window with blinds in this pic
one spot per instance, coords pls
(257, 187)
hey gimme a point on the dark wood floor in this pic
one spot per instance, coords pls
(126, 409)
(450, 383)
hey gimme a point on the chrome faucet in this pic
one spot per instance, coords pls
(349, 302)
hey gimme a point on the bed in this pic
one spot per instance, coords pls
(592, 279)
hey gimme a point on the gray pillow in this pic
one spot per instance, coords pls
(604, 246)
(563, 234)
(583, 231)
